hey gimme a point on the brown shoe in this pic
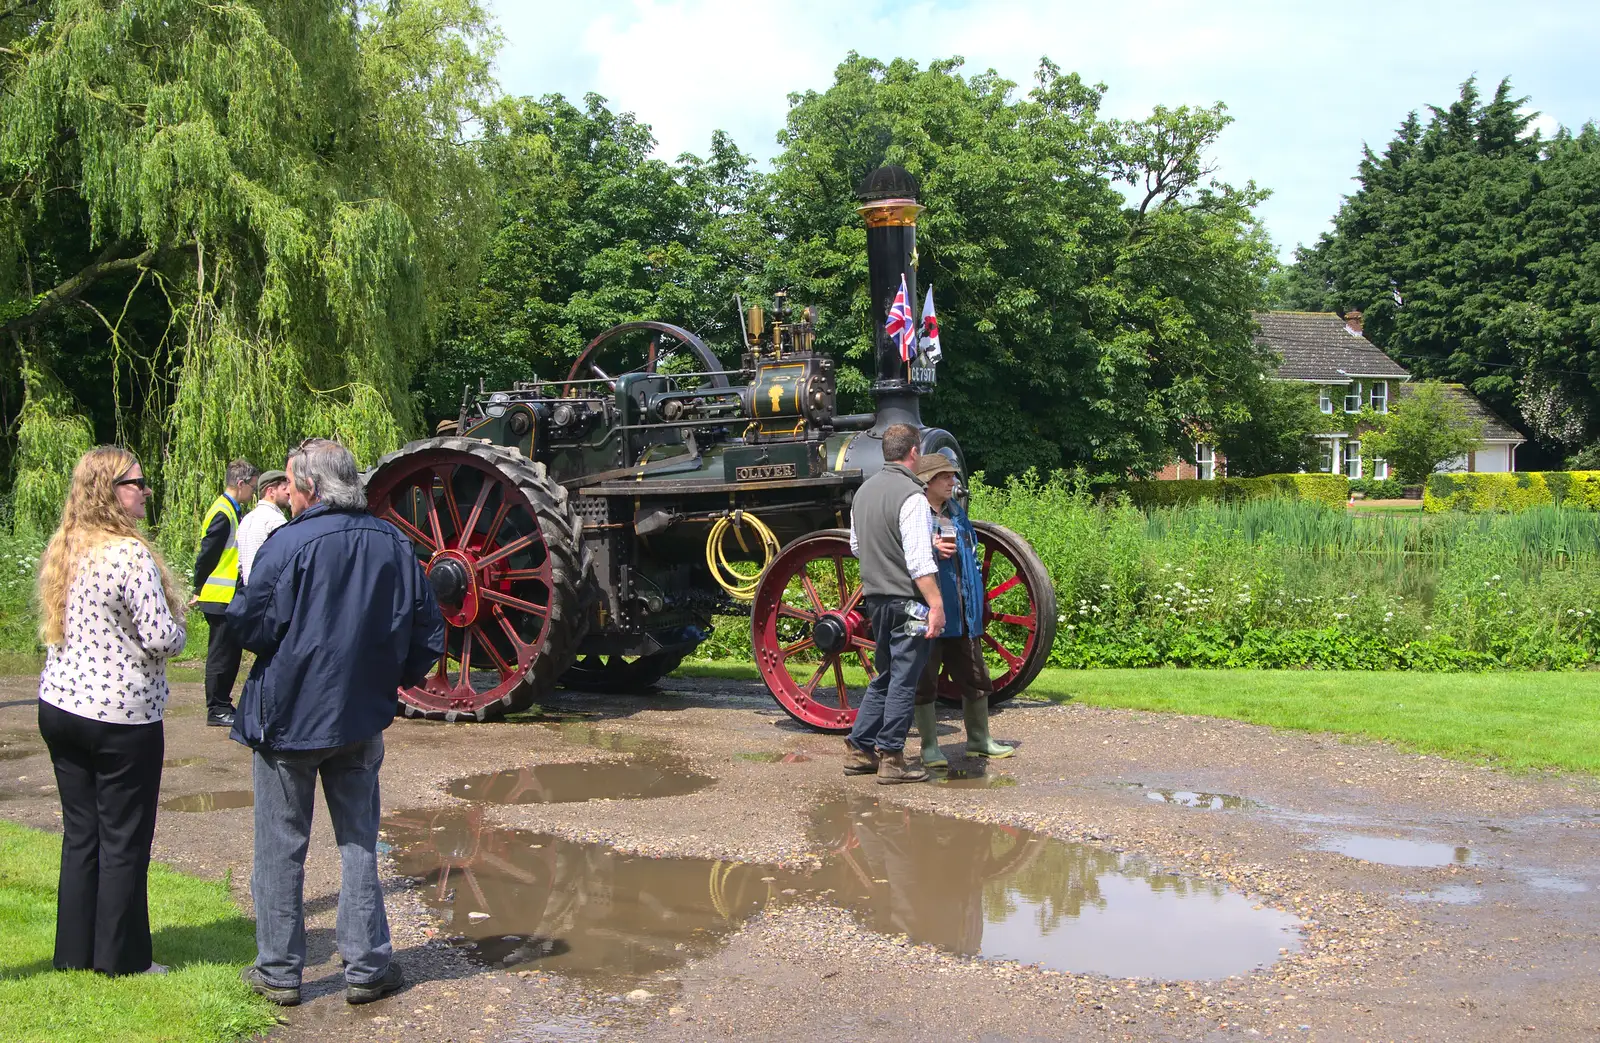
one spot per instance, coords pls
(858, 763)
(892, 769)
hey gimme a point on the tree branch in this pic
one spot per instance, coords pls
(68, 290)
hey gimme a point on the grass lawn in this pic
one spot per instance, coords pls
(198, 932)
(1516, 720)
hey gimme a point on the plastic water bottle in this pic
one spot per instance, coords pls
(917, 625)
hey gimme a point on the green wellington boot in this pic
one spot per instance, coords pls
(927, 718)
(979, 744)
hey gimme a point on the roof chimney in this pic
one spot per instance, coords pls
(1352, 322)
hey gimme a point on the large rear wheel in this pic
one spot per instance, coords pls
(504, 553)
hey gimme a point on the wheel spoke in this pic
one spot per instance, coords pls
(510, 631)
(414, 534)
(799, 646)
(811, 591)
(787, 611)
(1011, 658)
(515, 575)
(811, 685)
(1002, 588)
(838, 578)
(466, 658)
(498, 520)
(851, 601)
(433, 520)
(450, 502)
(494, 653)
(838, 678)
(520, 543)
(866, 663)
(472, 518)
(988, 559)
(513, 602)
(1030, 622)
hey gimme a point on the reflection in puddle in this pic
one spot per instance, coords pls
(1192, 798)
(16, 747)
(970, 778)
(1393, 852)
(973, 889)
(182, 762)
(774, 758)
(565, 783)
(217, 800)
(1565, 885)
(1455, 894)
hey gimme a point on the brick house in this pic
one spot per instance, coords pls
(1351, 373)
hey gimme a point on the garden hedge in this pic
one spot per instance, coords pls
(1512, 491)
(1330, 489)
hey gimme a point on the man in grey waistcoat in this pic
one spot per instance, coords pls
(891, 532)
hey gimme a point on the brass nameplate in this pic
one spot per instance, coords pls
(763, 472)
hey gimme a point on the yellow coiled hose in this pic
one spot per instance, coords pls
(740, 586)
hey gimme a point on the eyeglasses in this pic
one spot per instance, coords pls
(141, 482)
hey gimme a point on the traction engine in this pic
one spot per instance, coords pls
(586, 532)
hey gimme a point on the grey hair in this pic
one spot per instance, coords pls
(326, 472)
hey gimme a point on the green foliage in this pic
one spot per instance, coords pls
(1484, 230)
(1084, 328)
(281, 196)
(196, 930)
(1378, 488)
(1426, 425)
(1513, 491)
(51, 436)
(1269, 429)
(1330, 490)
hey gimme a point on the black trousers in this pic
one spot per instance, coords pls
(109, 778)
(222, 664)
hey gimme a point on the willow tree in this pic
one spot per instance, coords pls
(259, 205)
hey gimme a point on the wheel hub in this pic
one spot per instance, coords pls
(830, 633)
(450, 582)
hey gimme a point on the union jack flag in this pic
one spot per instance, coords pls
(900, 325)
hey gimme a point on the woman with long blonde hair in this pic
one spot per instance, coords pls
(110, 616)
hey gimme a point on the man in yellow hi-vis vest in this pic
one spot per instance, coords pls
(216, 575)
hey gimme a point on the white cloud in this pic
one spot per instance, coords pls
(1306, 83)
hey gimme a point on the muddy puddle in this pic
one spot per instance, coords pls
(774, 757)
(970, 778)
(15, 751)
(512, 897)
(565, 783)
(183, 762)
(216, 800)
(1455, 894)
(1191, 798)
(1393, 851)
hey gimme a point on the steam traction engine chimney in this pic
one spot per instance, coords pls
(889, 206)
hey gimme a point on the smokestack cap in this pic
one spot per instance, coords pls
(888, 182)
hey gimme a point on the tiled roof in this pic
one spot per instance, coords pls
(1317, 346)
(1494, 429)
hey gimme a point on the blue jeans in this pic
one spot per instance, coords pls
(886, 709)
(285, 785)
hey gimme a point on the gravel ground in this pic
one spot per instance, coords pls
(1500, 945)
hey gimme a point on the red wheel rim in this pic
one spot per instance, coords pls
(807, 619)
(1010, 616)
(480, 541)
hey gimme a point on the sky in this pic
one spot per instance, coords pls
(1307, 83)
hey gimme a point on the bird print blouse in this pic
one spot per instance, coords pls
(119, 633)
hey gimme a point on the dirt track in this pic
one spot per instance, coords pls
(1501, 943)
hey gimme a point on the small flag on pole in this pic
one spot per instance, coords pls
(930, 331)
(900, 325)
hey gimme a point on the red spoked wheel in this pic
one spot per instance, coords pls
(812, 640)
(645, 346)
(1019, 613)
(504, 553)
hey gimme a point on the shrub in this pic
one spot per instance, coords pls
(1378, 488)
(1330, 489)
(1512, 491)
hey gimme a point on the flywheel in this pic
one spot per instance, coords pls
(504, 553)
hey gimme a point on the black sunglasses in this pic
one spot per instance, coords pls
(141, 482)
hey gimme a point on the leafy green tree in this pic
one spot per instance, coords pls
(1269, 429)
(592, 232)
(1425, 426)
(1469, 248)
(255, 211)
(1094, 281)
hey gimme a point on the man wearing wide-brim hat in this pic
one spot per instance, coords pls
(958, 649)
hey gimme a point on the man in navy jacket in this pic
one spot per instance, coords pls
(340, 614)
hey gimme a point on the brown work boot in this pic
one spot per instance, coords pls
(858, 763)
(892, 769)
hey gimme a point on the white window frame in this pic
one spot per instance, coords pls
(1205, 462)
(1325, 399)
(1352, 393)
(1329, 454)
(1352, 458)
(1378, 396)
(1380, 469)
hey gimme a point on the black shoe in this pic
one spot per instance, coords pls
(281, 995)
(390, 981)
(220, 720)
